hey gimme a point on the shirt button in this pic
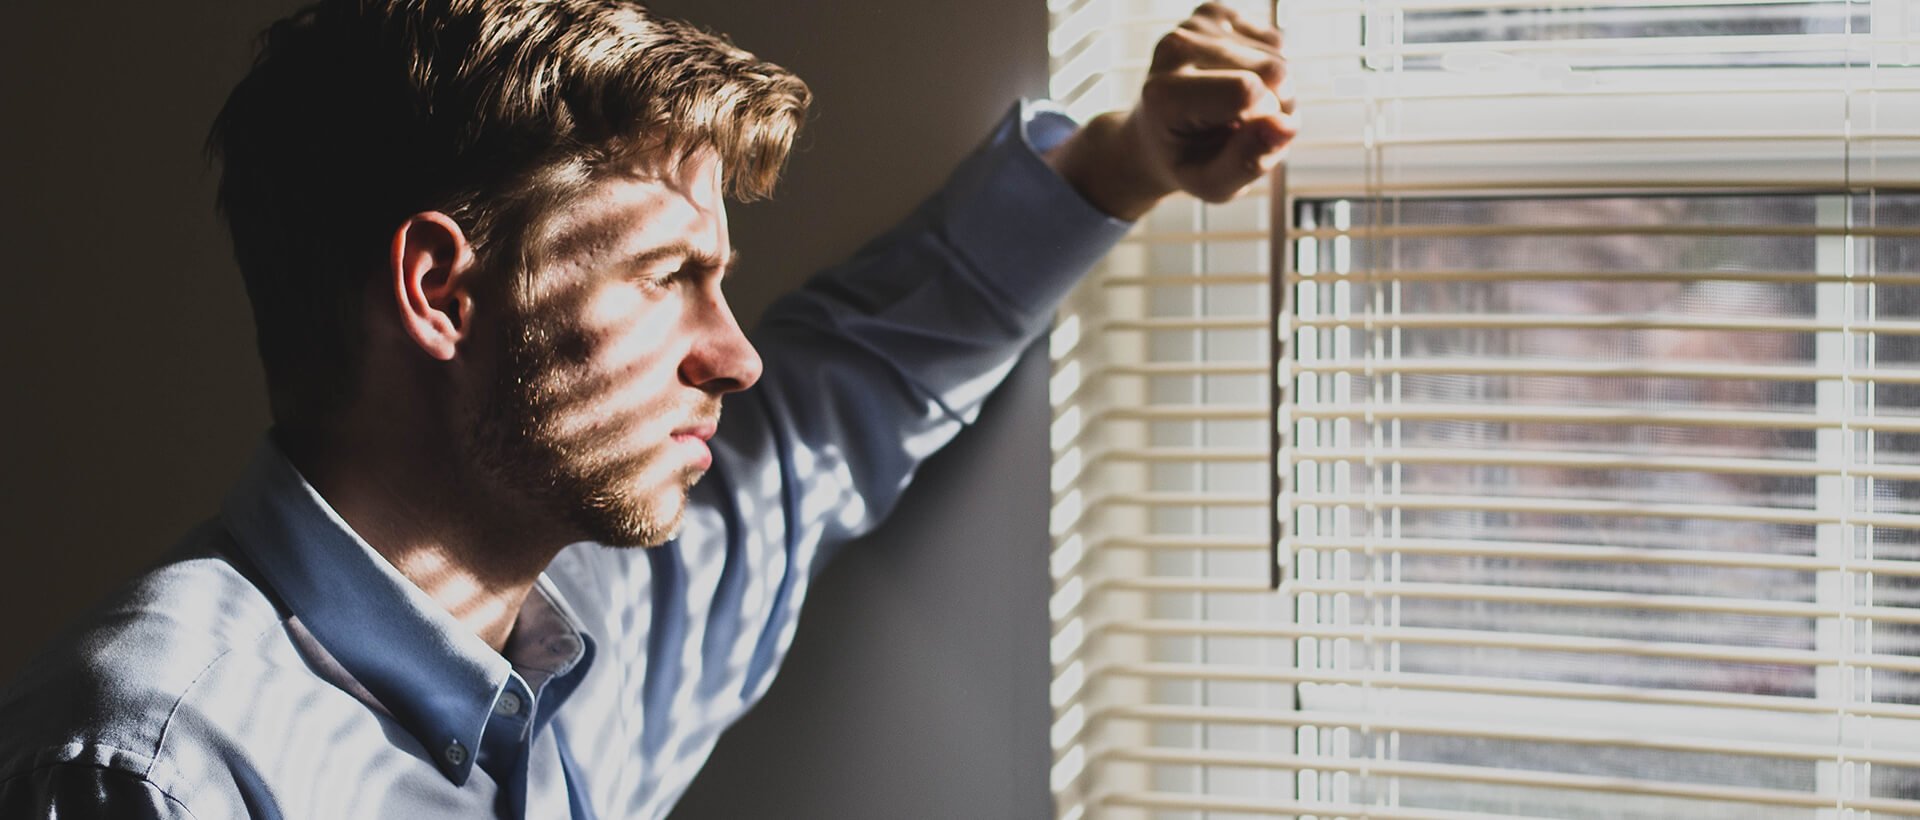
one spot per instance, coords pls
(455, 754)
(509, 705)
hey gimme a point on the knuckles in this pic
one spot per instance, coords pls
(1176, 48)
(1250, 89)
(1272, 71)
(1232, 21)
(1190, 45)
(1219, 92)
(1215, 11)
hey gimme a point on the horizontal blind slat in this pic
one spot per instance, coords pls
(1196, 368)
(1839, 181)
(1179, 499)
(1426, 6)
(1546, 321)
(1532, 732)
(1766, 420)
(1376, 276)
(1172, 583)
(1387, 767)
(1185, 412)
(1500, 231)
(1178, 454)
(1522, 551)
(1816, 44)
(1580, 506)
(1517, 640)
(1472, 684)
(1182, 542)
(1159, 324)
(1785, 465)
(1290, 808)
(1605, 554)
(1168, 280)
(1390, 141)
(1613, 600)
(1837, 47)
(1707, 370)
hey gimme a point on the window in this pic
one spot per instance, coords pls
(1571, 469)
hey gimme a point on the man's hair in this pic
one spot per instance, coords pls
(360, 113)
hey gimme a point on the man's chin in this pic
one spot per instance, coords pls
(639, 521)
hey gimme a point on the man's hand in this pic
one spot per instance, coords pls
(1215, 115)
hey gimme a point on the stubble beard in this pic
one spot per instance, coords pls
(584, 479)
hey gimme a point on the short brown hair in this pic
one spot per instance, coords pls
(359, 113)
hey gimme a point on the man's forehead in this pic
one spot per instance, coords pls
(642, 205)
(691, 173)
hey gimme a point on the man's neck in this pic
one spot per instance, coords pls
(466, 551)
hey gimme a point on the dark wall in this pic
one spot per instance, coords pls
(133, 394)
(917, 687)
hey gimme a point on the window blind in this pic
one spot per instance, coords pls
(1544, 442)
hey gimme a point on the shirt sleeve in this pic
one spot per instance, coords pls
(876, 364)
(870, 368)
(74, 791)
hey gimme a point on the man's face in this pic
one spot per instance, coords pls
(616, 349)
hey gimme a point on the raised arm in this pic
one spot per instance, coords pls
(876, 364)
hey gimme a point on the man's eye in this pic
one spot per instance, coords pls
(660, 278)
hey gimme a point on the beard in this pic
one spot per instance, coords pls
(543, 429)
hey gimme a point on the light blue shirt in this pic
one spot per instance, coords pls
(276, 666)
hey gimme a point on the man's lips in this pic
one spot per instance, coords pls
(694, 438)
(702, 431)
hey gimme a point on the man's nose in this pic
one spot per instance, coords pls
(721, 360)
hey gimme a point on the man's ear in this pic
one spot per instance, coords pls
(432, 274)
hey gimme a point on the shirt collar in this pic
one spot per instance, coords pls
(546, 641)
(433, 675)
(548, 649)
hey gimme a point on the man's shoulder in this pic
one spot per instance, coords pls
(106, 692)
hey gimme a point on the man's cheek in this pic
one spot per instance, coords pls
(628, 418)
(634, 325)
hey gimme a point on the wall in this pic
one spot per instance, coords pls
(133, 394)
(917, 684)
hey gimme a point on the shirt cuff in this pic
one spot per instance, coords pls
(1025, 231)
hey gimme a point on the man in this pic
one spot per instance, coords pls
(484, 244)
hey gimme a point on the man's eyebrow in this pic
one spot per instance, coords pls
(683, 250)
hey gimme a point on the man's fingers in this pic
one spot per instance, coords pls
(1223, 21)
(1263, 34)
(1248, 155)
(1217, 106)
(1185, 48)
(1203, 99)
(1199, 30)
